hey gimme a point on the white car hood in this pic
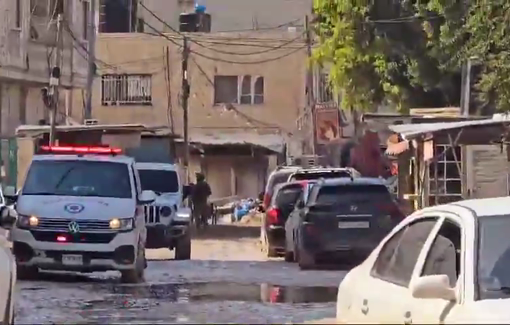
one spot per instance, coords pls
(490, 311)
(168, 199)
(62, 207)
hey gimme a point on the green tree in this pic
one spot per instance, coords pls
(384, 51)
(478, 30)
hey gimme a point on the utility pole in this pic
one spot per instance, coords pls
(91, 58)
(310, 98)
(184, 101)
(466, 89)
(55, 80)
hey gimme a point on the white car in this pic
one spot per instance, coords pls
(167, 219)
(7, 269)
(81, 209)
(445, 264)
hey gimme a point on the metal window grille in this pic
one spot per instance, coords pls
(126, 90)
(449, 180)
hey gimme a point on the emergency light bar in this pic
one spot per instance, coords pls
(81, 150)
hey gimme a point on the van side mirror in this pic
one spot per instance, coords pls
(10, 192)
(8, 217)
(433, 287)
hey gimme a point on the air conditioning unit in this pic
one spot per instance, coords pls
(91, 122)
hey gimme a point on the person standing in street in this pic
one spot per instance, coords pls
(199, 196)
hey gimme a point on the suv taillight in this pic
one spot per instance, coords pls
(273, 216)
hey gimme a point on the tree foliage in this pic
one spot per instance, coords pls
(409, 53)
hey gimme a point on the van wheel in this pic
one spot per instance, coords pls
(183, 248)
(135, 275)
(27, 272)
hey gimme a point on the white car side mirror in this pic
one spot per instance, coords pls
(433, 287)
(9, 191)
(147, 197)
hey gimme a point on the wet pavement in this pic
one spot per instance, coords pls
(227, 281)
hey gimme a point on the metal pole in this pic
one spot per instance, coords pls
(185, 96)
(310, 98)
(466, 89)
(55, 80)
(91, 59)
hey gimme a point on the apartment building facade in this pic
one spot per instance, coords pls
(28, 34)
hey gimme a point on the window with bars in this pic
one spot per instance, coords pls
(126, 89)
(244, 90)
(449, 177)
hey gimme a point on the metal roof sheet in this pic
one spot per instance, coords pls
(411, 131)
(273, 142)
(34, 129)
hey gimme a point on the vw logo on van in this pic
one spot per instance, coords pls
(73, 227)
(74, 208)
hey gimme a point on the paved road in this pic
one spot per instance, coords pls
(227, 281)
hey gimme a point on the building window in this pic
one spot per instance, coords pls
(258, 91)
(238, 90)
(134, 89)
(18, 13)
(449, 180)
(245, 90)
(85, 15)
(226, 90)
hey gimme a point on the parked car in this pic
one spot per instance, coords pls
(323, 172)
(447, 264)
(7, 269)
(342, 218)
(279, 175)
(273, 222)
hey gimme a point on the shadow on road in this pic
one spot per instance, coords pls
(226, 232)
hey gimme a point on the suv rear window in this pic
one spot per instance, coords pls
(288, 195)
(318, 175)
(353, 194)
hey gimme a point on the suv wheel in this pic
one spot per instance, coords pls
(136, 274)
(183, 248)
(27, 272)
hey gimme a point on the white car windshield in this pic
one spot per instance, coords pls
(159, 181)
(78, 178)
(494, 257)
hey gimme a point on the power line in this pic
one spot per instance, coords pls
(198, 43)
(224, 60)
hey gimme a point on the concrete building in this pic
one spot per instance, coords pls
(235, 100)
(27, 38)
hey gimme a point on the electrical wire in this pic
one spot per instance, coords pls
(206, 47)
(225, 60)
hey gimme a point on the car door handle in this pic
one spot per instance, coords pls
(364, 308)
(407, 318)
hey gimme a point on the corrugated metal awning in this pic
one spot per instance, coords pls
(412, 131)
(41, 129)
(273, 142)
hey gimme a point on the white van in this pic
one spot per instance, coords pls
(81, 209)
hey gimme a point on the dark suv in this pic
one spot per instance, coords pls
(341, 218)
(273, 223)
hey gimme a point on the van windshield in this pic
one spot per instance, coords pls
(78, 178)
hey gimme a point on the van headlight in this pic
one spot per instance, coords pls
(27, 221)
(122, 224)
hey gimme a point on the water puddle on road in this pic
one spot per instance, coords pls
(225, 291)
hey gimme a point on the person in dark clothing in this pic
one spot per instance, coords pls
(199, 196)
